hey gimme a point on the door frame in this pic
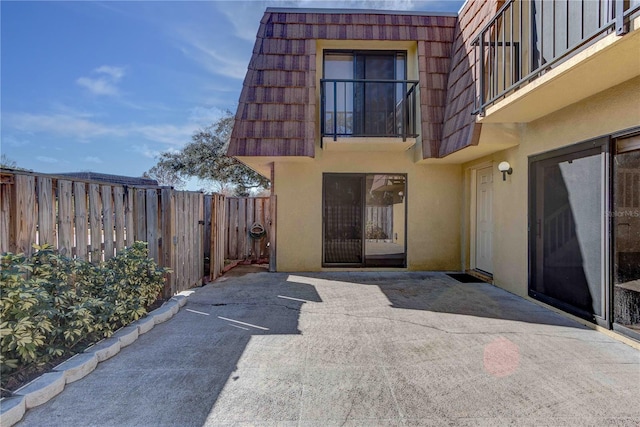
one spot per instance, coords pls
(363, 264)
(612, 227)
(324, 221)
(473, 208)
(602, 143)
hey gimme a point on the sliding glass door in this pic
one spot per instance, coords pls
(343, 239)
(364, 220)
(569, 231)
(626, 235)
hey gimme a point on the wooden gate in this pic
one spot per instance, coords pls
(243, 213)
(214, 234)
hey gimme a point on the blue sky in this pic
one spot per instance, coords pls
(106, 86)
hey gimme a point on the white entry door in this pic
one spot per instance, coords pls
(484, 220)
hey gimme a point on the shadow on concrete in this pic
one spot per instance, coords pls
(437, 292)
(236, 351)
(173, 375)
(240, 308)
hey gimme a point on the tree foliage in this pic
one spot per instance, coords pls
(205, 157)
(165, 176)
(6, 162)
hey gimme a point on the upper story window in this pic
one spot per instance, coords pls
(365, 93)
(365, 65)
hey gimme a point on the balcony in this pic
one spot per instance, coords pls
(535, 57)
(368, 114)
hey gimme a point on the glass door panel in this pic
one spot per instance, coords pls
(364, 222)
(569, 244)
(376, 111)
(343, 222)
(626, 233)
(385, 221)
(338, 95)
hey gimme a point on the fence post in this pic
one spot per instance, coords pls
(24, 214)
(206, 239)
(119, 216)
(107, 221)
(6, 187)
(95, 210)
(81, 221)
(213, 240)
(64, 218)
(151, 206)
(140, 214)
(129, 223)
(46, 211)
(167, 246)
(218, 235)
(272, 233)
(199, 257)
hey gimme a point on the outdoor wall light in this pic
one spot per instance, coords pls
(505, 168)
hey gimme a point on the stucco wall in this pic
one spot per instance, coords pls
(605, 113)
(433, 208)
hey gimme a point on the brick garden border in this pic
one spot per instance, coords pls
(46, 386)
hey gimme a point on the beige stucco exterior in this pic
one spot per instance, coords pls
(440, 195)
(605, 113)
(591, 93)
(433, 201)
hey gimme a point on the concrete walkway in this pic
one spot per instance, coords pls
(362, 349)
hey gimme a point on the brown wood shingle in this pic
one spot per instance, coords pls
(277, 115)
(460, 129)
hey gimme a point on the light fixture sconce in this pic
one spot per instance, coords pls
(505, 168)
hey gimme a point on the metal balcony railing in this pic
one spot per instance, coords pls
(527, 38)
(371, 108)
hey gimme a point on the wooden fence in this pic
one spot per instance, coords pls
(379, 219)
(189, 232)
(242, 215)
(214, 234)
(93, 221)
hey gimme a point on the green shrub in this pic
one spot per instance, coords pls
(134, 282)
(374, 231)
(50, 306)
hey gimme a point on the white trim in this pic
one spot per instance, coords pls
(473, 207)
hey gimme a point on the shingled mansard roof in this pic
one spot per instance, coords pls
(277, 110)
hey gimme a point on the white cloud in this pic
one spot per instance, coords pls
(116, 73)
(221, 59)
(83, 130)
(105, 83)
(12, 141)
(92, 159)
(45, 159)
(245, 16)
(146, 151)
(58, 124)
(203, 116)
(98, 86)
(168, 134)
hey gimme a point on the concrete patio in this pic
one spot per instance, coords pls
(324, 349)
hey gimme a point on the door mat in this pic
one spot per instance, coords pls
(465, 278)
